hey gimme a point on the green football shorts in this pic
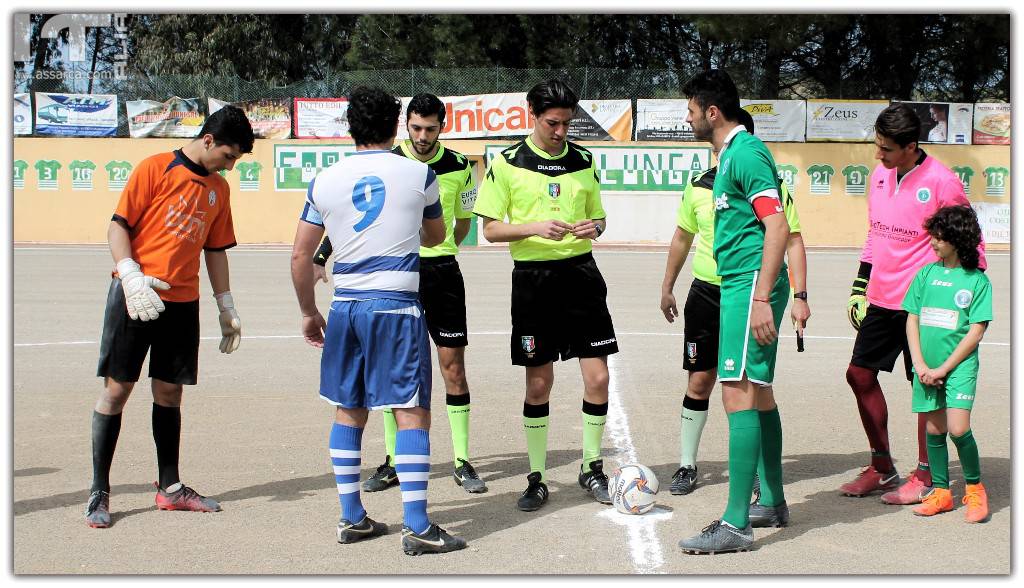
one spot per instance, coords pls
(739, 354)
(958, 392)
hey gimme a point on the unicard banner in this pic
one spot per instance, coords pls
(486, 115)
(777, 120)
(480, 116)
(843, 121)
(22, 114)
(662, 120)
(76, 115)
(270, 118)
(177, 117)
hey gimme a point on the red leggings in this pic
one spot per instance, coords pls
(874, 415)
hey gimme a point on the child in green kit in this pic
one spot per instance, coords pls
(949, 305)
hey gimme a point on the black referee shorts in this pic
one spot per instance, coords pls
(443, 296)
(173, 338)
(881, 338)
(700, 326)
(559, 311)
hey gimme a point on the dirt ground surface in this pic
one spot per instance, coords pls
(255, 433)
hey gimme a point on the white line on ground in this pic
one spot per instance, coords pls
(644, 546)
(474, 333)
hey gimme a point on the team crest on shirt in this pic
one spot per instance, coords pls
(924, 195)
(963, 298)
(212, 198)
(554, 190)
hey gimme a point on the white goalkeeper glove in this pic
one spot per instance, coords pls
(230, 324)
(140, 297)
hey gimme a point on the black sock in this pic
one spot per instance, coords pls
(105, 429)
(167, 434)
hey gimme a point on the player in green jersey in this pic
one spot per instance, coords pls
(542, 196)
(949, 306)
(696, 215)
(442, 289)
(750, 241)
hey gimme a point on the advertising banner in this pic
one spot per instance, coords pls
(177, 117)
(991, 124)
(321, 118)
(944, 122)
(994, 220)
(662, 120)
(296, 165)
(76, 115)
(270, 118)
(843, 120)
(22, 114)
(960, 123)
(481, 116)
(602, 120)
(486, 115)
(640, 169)
(777, 120)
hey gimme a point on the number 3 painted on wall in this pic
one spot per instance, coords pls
(371, 205)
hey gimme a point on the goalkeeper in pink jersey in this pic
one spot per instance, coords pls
(908, 187)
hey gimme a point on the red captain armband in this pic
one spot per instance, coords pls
(765, 206)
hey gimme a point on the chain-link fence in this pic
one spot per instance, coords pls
(589, 83)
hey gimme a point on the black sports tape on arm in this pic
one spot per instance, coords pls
(324, 252)
(865, 270)
(860, 283)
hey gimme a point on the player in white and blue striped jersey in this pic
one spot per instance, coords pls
(377, 208)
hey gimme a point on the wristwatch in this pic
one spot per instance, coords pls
(598, 229)
(800, 295)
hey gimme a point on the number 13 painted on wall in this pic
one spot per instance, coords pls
(371, 204)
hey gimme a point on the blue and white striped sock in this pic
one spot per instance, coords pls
(412, 462)
(345, 445)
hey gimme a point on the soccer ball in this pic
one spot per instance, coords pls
(633, 489)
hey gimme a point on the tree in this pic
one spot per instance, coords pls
(951, 57)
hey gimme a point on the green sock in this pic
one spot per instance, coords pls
(938, 460)
(390, 430)
(594, 417)
(744, 447)
(769, 463)
(458, 419)
(535, 423)
(691, 426)
(967, 449)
